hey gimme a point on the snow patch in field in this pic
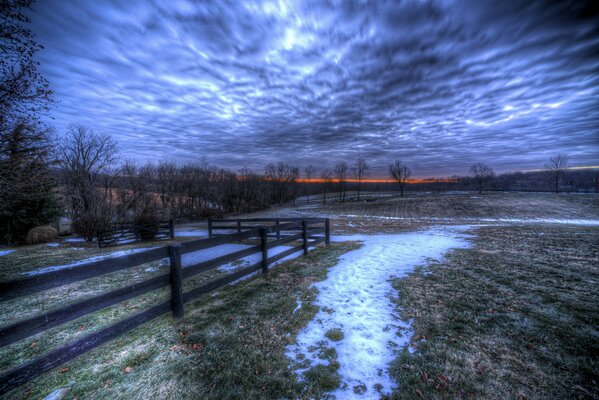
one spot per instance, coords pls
(191, 233)
(74, 240)
(298, 306)
(565, 221)
(86, 260)
(358, 290)
(218, 251)
(5, 252)
(52, 244)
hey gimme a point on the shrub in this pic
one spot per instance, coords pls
(92, 221)
(41, 234)
(146, 224)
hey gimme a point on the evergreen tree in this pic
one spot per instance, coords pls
(26, 188)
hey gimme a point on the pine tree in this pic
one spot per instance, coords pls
(26, 188)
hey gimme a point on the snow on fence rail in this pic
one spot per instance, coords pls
(283, 231)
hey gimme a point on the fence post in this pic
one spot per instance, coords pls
(210, 228)
(176, 278)
(264, 245)
(327, 231)
(305, 235)
(278, 229)
(171, 228)
(239, 226)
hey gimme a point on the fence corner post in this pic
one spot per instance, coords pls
(171, 228)
(327, 231)
(264, 245)
(210, 228)
(305, 235)
(176, 280)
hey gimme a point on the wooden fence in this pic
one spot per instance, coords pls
(309, 232)
(333, 197)
(124, 233)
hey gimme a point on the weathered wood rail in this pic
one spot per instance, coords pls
(124, 233)
(274, 224)
(306, 231)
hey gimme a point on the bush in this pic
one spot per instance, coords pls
(89, 223)
(41, 234)
(146, 224)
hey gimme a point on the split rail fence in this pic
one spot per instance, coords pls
(268, 233)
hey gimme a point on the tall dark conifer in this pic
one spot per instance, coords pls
(26, 188)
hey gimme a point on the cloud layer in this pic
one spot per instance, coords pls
(440, 85)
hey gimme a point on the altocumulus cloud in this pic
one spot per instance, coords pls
(438, 84)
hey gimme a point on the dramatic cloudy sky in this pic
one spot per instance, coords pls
(439, 85)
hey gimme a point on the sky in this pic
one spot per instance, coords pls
(439, 85)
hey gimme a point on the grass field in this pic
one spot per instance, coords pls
(516, 315)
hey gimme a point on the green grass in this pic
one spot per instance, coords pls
(229, 345)
(514, 317)
(334, 334)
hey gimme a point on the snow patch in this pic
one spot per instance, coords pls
(52, 244)
(74, 240)
(191, 233)
(565, 221)
(86, 260)
(298, 306)
(5, 252)
(358, 290)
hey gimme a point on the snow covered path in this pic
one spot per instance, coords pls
(358, 290)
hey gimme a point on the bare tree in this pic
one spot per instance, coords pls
(282, 177)
(341, 170)
(85, 156)
(557, 165)
(359, 172)
(309, 173)
(401, 173)
(482, 174)
(325, 176)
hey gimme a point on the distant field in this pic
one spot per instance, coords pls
(504, 205)
(450, 208)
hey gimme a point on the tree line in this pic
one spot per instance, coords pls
(44, 175)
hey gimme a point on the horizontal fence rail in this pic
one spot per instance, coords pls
(260, 234)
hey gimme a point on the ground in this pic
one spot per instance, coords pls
(515, 315)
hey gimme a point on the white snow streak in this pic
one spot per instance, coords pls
(191, 233)
(86, 260)
(5, 252)
(358, 290)
(565, 221)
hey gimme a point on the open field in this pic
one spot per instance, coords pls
(514, 315)
(419, 210)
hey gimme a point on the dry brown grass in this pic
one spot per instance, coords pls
(514, 317)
